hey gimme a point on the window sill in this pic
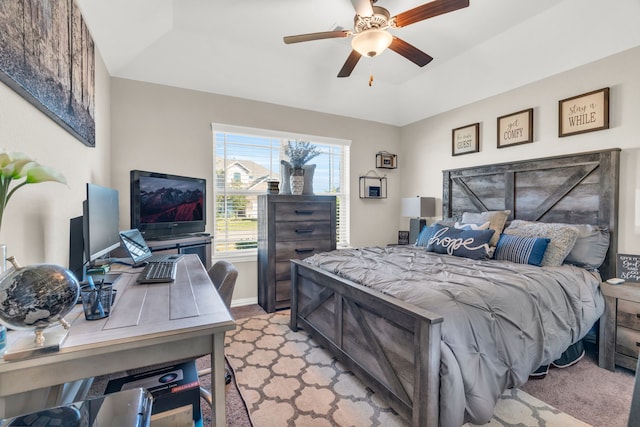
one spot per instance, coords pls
(249, 256)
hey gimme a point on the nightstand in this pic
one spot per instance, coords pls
(619, 341)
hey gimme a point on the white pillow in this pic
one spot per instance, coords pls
(484, 226)
(496, 218)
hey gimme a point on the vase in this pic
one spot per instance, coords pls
(297, 181)
(308, 179)
(3, 258)
(285, 177)
(3, 268)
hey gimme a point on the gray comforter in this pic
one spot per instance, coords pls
(501, 320)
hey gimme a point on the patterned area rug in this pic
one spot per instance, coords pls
(287, 379)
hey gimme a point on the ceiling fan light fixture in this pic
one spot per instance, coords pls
(371, 42)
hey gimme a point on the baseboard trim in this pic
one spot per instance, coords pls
(244, 301)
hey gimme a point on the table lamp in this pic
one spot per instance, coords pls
(417, 208)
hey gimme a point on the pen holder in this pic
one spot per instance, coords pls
(96, 302)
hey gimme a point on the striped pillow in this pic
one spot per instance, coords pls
(523, 250)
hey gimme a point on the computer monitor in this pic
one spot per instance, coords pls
(101, 222)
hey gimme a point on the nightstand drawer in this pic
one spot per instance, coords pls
(303, 230)
(628, 314)
(627, 341)
(311, 211)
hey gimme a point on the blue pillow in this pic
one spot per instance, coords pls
(523, 250)
(424, 236)
(472, 244)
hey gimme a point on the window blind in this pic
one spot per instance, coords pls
(245, 159)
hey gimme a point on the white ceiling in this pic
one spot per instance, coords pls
(235, 47)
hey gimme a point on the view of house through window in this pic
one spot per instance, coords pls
(246, 159)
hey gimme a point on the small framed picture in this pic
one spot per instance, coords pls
(515, 129)
(374, 191)
(465, 140)
(403, 237)
(584, 113)
(386, 160)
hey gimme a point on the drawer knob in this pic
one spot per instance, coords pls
(304, 250)
(303, 212)
(310, 230)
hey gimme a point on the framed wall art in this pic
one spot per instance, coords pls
(584, 113)
(515, 128)
(386, 160)
(465, 140)
(54, 69)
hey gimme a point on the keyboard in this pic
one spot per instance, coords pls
(163, 257)
(158, 272)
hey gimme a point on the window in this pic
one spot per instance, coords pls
(245, 160)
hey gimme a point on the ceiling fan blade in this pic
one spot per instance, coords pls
(410, 52)
(428, 10)
(362, 7)
(316, 36)
(350, 64)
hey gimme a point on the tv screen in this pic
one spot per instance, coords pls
(100, 222)
(166, 206)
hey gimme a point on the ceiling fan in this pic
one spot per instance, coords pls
(370, 35)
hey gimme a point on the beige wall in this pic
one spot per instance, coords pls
(426, 145)
(159, 128)
(165, 129)
(36, 223)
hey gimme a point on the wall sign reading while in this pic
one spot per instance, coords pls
(629, 267)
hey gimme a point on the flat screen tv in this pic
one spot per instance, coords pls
(165, 206)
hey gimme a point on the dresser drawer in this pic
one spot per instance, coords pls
(312, 211)
(627, 341)
(628, 314)
(303, 230)
(300, 250)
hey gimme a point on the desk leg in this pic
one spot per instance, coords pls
(217, 381)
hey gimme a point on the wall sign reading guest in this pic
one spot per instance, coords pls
(465, 139)
(516, 128)
(584, 113)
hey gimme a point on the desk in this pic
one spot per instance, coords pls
(149, 324)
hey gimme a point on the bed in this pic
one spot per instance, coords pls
(405, 350)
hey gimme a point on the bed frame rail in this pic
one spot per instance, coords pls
(392, 346)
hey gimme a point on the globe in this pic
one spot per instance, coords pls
(36, 296)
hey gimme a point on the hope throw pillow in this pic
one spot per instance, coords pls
(472, 244)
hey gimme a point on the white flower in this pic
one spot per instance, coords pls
(17, 166)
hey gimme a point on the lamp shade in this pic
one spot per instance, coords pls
(371, 42)
(419, 207)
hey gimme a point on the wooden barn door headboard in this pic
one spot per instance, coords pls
(576, 189)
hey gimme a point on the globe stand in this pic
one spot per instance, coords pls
(21, 344)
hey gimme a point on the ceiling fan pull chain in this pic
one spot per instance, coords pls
(371, 80)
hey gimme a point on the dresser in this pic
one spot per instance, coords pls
(619, 341)
(290, 227)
